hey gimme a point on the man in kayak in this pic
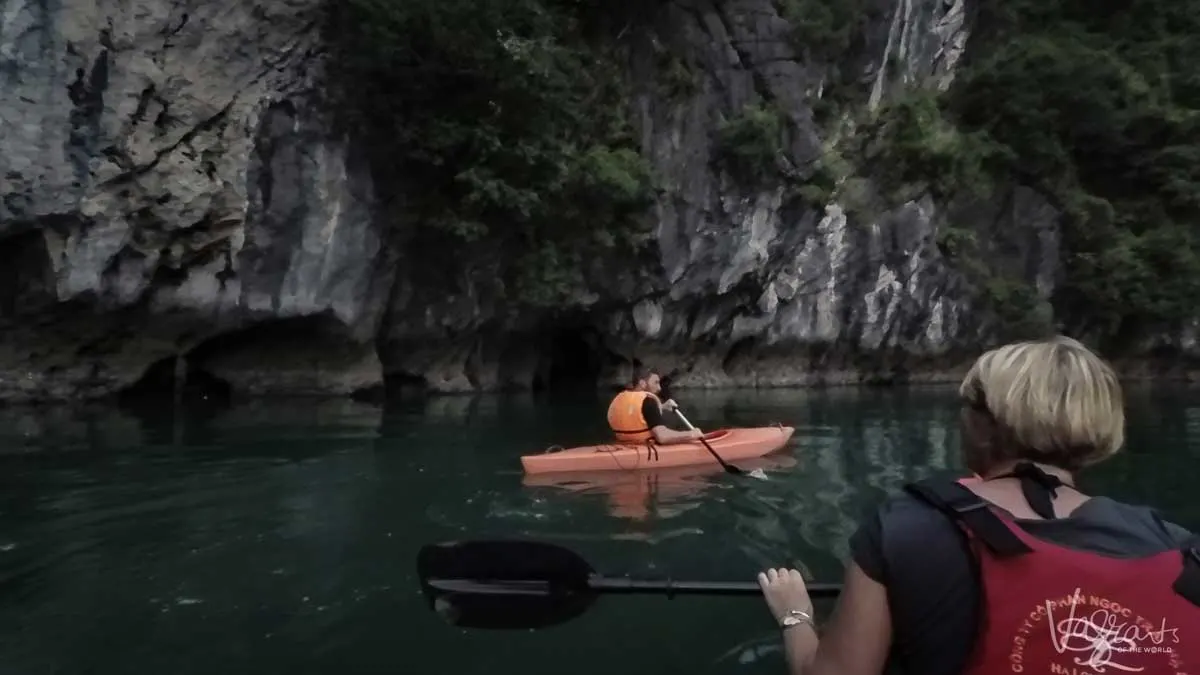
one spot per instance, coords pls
(636, 413)
(1017, 570)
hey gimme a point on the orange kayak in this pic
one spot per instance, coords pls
(730, 444)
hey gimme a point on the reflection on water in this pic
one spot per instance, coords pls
(753, 651)
(828, 514)
(279, 535)
(654, 493)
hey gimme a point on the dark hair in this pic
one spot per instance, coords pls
(642, 373)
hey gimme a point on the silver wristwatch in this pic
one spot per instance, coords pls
(796, 617)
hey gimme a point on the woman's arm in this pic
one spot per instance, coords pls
(858, 637)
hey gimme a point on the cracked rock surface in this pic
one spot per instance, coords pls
(166, 177)
(175, 198)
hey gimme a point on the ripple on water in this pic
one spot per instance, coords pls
(752, 651)
(495, 507)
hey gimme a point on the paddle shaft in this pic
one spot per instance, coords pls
(670, 587)
(728, 467)
(618, 586)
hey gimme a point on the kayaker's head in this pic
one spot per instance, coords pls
(646, 379)
(1050, 401)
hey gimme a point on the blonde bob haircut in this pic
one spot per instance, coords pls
(1051, 401)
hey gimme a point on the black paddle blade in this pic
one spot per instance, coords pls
(504, 584)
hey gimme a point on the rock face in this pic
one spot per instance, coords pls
(762, 292)
(755, 287)
(168, 178)
(175, 200)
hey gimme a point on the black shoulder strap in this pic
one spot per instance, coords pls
(1187, 584)
(968, 508)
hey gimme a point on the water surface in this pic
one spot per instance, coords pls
(279, 537)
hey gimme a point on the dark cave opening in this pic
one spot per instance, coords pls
(573, 360)
(160, 383)
(401, 385)
(290, 333)
(26, 279)
(258, 346)
(171, 414)
(739, 354)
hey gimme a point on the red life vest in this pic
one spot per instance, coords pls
(1050, 610)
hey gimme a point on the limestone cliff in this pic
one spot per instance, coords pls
(168, 179)
(754, 284)
(173, 186)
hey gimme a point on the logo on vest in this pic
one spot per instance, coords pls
(1098, 635)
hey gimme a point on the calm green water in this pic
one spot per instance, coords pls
(280, 538)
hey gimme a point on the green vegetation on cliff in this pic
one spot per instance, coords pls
(918, 147)
(1099, 109)
(505, 126)
(501, 131)
(1102, 109)
(751, 141)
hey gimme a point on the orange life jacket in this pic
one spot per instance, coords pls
(625, 416)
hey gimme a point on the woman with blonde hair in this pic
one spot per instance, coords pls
(1016, 571)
